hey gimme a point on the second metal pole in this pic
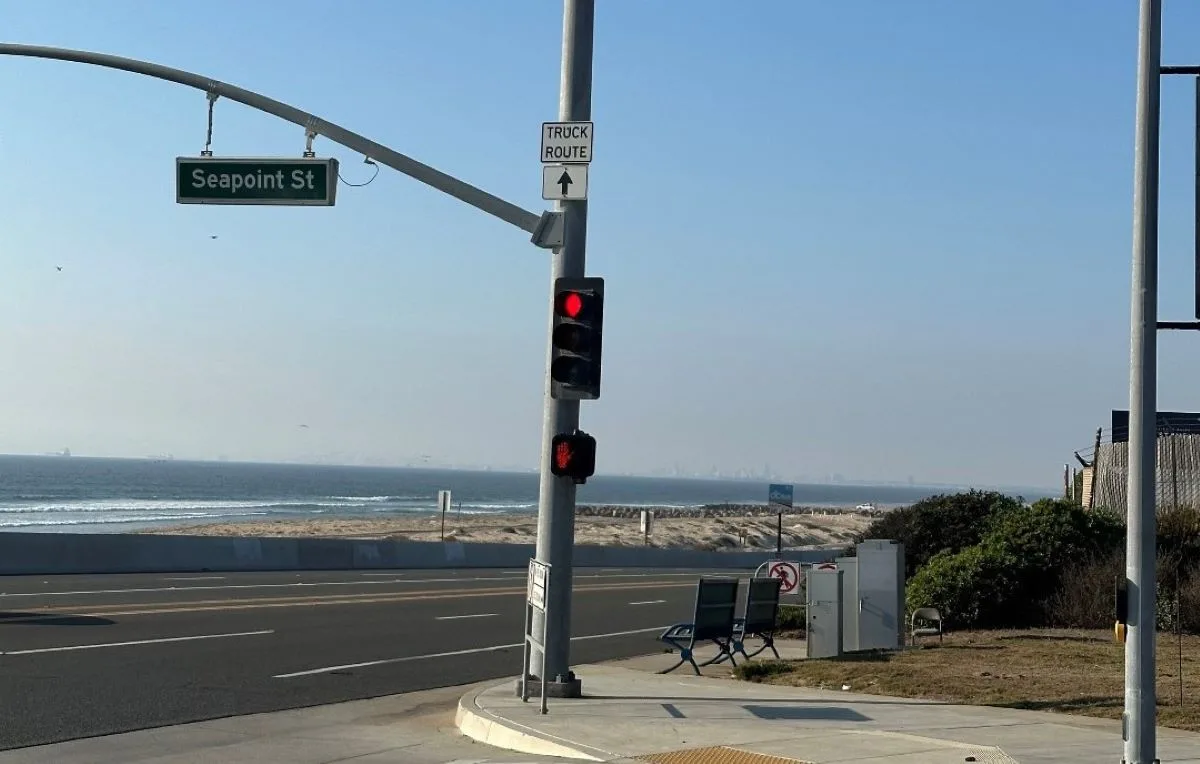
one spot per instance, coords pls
(556, 497)
(1139, 721)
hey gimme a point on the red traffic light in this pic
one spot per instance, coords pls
(577, 315)
(571, 304)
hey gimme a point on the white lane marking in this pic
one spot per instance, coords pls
(457, 617)
(136, 642)
(296, 584)
(452, 653)
(195, 578)
(644, 602)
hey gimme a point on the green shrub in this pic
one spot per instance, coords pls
(791, 618)
(1189, 604)
(1008, 579)
(1178, 544)
(1085, 595)
(948, 522)
(972, 588)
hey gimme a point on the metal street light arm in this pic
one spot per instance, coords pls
(533, 223)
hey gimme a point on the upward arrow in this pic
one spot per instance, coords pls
(565, 181)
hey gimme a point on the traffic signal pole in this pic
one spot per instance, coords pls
(1140, 706)
(556, 496)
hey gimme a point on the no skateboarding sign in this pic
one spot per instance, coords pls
(788, 574)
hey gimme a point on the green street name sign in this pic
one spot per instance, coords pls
(281, 182)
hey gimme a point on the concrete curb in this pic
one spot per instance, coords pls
(483, 727)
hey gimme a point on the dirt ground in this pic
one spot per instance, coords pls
(1078, 672)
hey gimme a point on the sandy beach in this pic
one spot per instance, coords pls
(723, 528)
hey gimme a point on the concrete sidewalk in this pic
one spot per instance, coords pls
(414, 728)
(630, 714)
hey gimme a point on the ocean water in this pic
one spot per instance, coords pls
(79, 494)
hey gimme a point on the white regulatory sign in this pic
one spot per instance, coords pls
(788, 574)
(536, 591)
(566, 142)
(564, 182)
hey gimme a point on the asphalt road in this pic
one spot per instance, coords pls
(92, 655)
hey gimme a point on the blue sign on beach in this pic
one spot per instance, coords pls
(778, 493)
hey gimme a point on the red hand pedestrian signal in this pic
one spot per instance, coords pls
(573, 455)
(562, 456)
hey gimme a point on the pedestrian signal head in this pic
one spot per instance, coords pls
(573, 455)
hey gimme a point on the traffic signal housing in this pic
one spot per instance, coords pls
(575, 338)
(573, 455)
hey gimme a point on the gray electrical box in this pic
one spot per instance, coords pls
(849, 568)
(824, 589)
(880, 596)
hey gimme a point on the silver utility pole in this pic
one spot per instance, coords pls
(556, 496)
(1139, 722)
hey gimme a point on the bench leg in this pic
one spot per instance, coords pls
(725, 653)
(685, 656)
(768, 644)
(739, 646)
(769, 641)
(677, 665)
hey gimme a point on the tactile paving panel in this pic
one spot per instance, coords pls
(716, 755)
(988, 756)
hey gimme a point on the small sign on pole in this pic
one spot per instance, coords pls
(443, 507)
(536, 591)
(788, 574)
(567, 142)
(566, 153)
(564, 182)
(780, 494)
(535, 599)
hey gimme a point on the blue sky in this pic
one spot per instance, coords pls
(870, 238)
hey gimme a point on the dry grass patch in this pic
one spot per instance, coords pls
(1080, 672)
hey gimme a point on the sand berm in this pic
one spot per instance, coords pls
(714, 527)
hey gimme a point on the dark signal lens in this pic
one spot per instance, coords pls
(569, 370)
(570, 337)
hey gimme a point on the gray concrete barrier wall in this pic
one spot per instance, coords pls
(62, 553)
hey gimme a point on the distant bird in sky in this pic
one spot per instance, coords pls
(213, 236)
(304, 426)
(59, 267)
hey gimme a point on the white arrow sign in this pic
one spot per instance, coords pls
(564, 182)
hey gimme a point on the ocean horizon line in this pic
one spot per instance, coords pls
(865, 483)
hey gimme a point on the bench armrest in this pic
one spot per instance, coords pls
(678, 631)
